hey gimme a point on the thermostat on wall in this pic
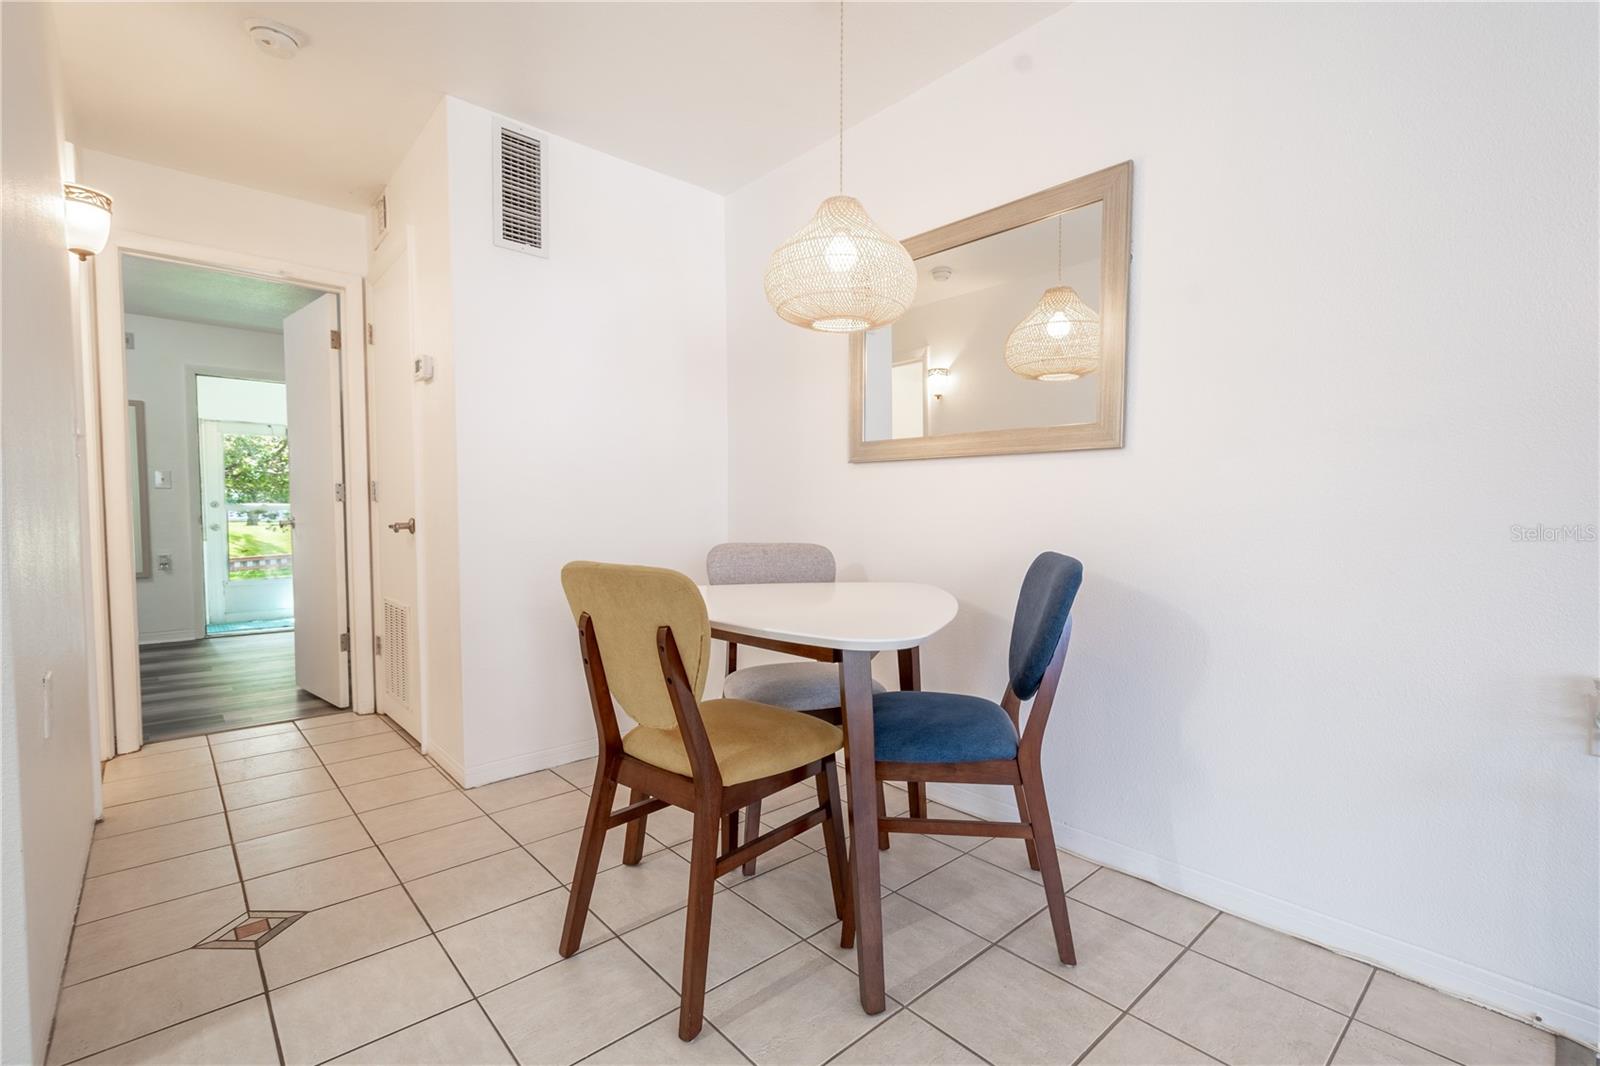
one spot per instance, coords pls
(422, 368)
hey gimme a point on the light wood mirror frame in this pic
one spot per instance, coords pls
(1112, 189)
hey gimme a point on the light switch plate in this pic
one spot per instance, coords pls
(161, 479)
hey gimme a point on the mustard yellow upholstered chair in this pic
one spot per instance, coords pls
(645, 642)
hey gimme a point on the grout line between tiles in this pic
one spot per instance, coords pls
(153, 903)
(189, 947)
(164, 858)
(1386, 1032)
(1350, 1019)
(164, 1028)
(261, 969)
(1128, 1010)
(162, 825)
(150, 799)
(465, 984)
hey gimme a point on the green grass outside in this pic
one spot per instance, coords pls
(245, 540)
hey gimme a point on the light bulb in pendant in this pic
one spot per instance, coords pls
(841, 254)
(1058, 326)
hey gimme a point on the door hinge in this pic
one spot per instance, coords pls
(333, 339)
(373, 485)
(377, 645)
(338, 491)
(369, 332)
(344, 641)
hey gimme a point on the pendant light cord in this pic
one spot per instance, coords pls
(1058, 249)
(841, 97)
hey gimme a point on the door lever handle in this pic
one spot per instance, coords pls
(408, 526)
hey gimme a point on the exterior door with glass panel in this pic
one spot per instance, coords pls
(248, 540)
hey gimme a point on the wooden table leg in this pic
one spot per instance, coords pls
(911, 681)
(855, 699)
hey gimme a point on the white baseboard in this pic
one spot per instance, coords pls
(517, 765)
(1525, 1002)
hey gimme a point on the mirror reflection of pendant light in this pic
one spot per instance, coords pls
(840, 273)
(1060, 338)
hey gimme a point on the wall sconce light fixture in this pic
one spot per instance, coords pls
(939, 381)
(88, 219)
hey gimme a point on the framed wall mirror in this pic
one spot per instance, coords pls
(139, 489)
(1017, 339)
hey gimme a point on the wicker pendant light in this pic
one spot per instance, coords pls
(1060, 338)
(840, 273)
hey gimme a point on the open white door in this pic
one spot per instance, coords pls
(316, 500)
(394, 529)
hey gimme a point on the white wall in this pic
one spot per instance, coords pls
(46, 789)
(171, 606)
(1314, 679)
(157, 202)
(592, 421)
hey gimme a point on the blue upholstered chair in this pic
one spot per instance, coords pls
(944, 736)
(812, 687)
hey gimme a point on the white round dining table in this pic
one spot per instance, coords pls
(847, 622)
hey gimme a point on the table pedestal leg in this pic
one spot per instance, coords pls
(855, 700)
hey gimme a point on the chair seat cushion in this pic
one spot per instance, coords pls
(797, 686)
(940, 727)
(749, 741)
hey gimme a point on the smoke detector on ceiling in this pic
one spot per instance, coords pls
(941, 273)
(274, 38)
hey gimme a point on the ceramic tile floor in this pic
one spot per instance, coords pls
(412, 922)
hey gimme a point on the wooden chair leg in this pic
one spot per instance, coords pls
(752, 829)
(594, 839)
(730, 831)
(697, 926)
(1022, 816)
(883, 812)
(1044, 839)
(833, 844)
(633, 843)
(917, 794)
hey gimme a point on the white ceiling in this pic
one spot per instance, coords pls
(163, 289)
(715, 94)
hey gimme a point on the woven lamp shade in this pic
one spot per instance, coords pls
(1058, 341)
(840, 273)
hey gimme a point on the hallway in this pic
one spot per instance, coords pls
(203, 686)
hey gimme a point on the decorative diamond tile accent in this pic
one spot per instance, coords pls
(251, 929)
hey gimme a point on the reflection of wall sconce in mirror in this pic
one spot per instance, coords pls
(939, 381)
(88, 219)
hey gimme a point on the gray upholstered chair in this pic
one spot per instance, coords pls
(811, 687)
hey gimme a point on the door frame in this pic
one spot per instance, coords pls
(123, 712)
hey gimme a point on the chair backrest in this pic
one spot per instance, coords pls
(627, 605)
(1043, 607)
(768, 564)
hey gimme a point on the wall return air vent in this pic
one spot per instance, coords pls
(519, 188)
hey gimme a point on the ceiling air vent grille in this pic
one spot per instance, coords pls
(519, 189)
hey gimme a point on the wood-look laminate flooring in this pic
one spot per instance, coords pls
(202, 686)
